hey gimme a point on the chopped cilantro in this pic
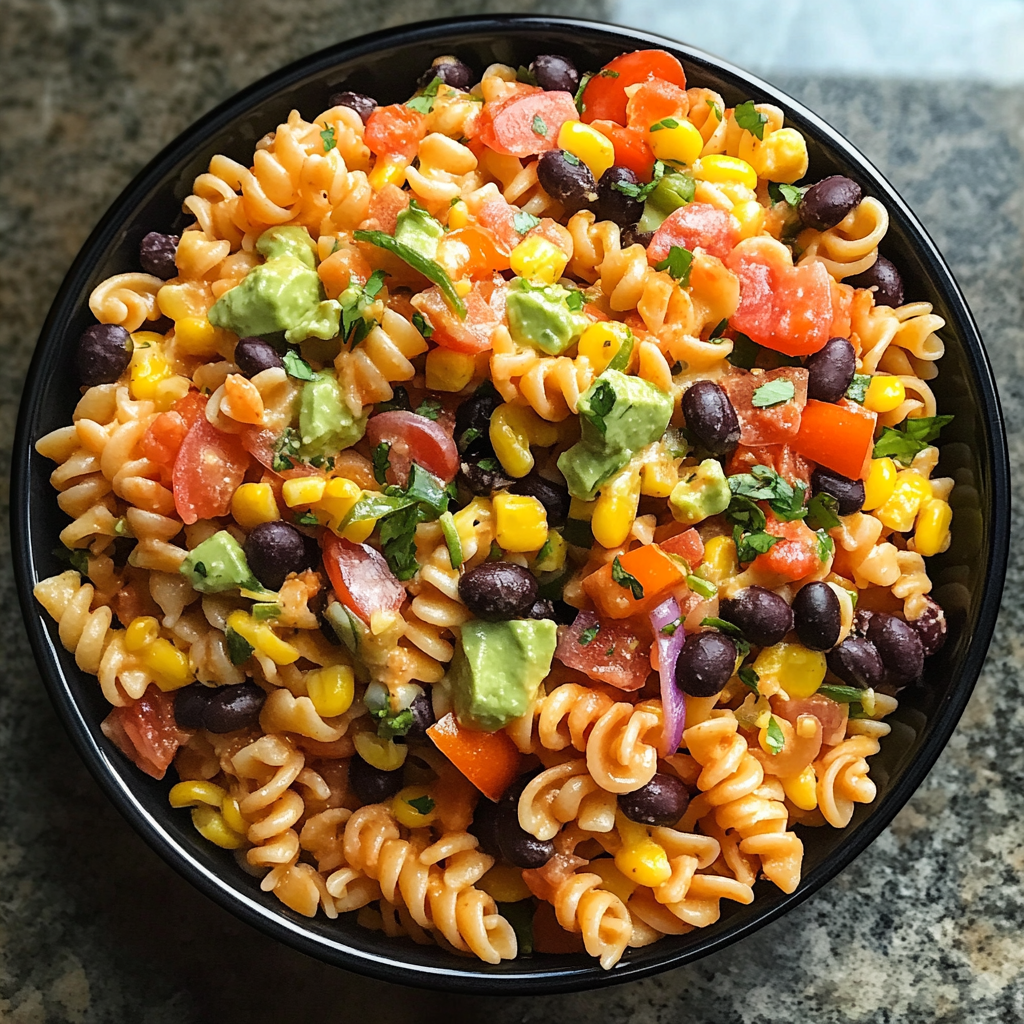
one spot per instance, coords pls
(641, 192)
(749, 678)
(826, 545)
(749, 118)
(750, 545)
(381, 461)
(703, 587)
(677, 263)
(422, 324)
(424, 103)
(393, 723)
(575, 300)
(626, 581)
(469, 435)
(744, 352)
(547, 548)
(722, 626)
(822, 512)
(398, 541)
(429, 408)
(915, 436)
(489, 465)
(790, 194)
(297, 367)
(355, 302)
(775, 392)
(607, 73)
(762, 483)
(525, 75)
(715, 108)
(307, 519)
(539, 127)
(578, 98)
(602, 401)
(571, 158)
(421, 804)
(525, 222)
(286, 451)
(666, 122)
(329, 141)
(588, 634)
(858, 389)
(239, 649)
(774, 740)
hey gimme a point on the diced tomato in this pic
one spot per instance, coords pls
(631, 149)
(191, 407)
(653, 102)
(795, 556)
(793, 468)
(414, 439)
(618, 653)
(842, 307)
(832, 715)
(785, 308)
(162, 440)
(498, 215)
(489, 760)
(649, 566)
(360, 577)
(687, 545)
(475, 251)
(838, 436)
(395, 131)
(484, 125)
(775, 424)
(530, 124)
(484, 311)
(146, 731)
(696, 224)
(605, 95)
(346, 266)
(207, 471)
(385, 206)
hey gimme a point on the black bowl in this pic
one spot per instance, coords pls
(386, 65)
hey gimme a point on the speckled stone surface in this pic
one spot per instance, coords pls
(924, 927)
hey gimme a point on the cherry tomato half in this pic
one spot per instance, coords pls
(360, 577)
(207, 471)
(605, 95)
(417, 439)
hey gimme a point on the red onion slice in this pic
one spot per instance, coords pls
(672, 701)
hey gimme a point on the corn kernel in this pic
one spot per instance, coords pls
(387, 172)
(210, 824)
(616, 507)
(195, 793)
(750, 215)
(582, 510)
(612, 879)
(141, 632)
(232, 815)
(932, 532)
(148, 366)
(721, 169)
(719, 559)
(553, 553)
(339, 496)
(521, 522)
(169, 665)
(463, 288)
(884, 394)
(645, 863)
(252, 504)
(409, 815)
(458, 215)
(196, 336)
(802, 789)
(793, 667)
(262, 638)
(680, 145)
(504, 884)
(448, 370)
(879, 485)
(303, 490)
(183, 299)
(912, 490)
(537, 259)
(387, 755)
(331, 690)
(602, 341)
(512, 430)
(593, 148)
(782, 156)
(658, 476)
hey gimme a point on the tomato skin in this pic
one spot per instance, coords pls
(687, 545)
(146, 731)
(360, 576)
(626, 668)
(696, 224)
(605, 96)
(795, 556)
(414, 439)
(839, 436)
(631, 149)
(484, 310)
(207, 471)
(511, 130)
(395, 131)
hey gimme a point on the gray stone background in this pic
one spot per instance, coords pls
(924, 927)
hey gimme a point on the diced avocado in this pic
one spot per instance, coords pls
(326, 423)
(418, 230)
(497, 669)
(288, 240)
(618, 416)
(323, 322)
(671, 192)
(218, 564)
(275, 296)
(700, 493)
(538, 315)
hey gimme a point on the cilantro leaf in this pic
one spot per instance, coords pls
(588, 634)
(422, 324)
(575, 300)
(763, 483)
(286, 451)
(722, 626)
(665, 122)
(393, 723)
(539, 127)
(749, 678)
(489, 465)
(469, 435)
(381, 461)
(775, 392)
(715, 108)
(774, 740)
(429, 408)
(398, 541)
(750, 119)
(915, 437)
(297, 367)
(571, 158)
(578, 98)
(602, 401)
(525, 75)
(424, 103)
(790, 194)
(744, 352)
(701, 586)
(626, 581)
(641, 192)
(422, 804)
(239, 649)
(822, 512)
(307, 519)
(525, 222)
(750, 545)
(607, 73)
(745, 514)
(677, 263)
(328, 139)
(826, 545)
(355, 301)
(858, 389)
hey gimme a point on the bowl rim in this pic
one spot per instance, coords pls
(459, 978)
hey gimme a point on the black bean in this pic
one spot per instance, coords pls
(485, 826)
(830, 370)
(370, 784)
(931, 627)
(542, 609)
(156, 255)
(706, 663)
(362, 104)
(254, 355)
(473, 420)
(498, 591)
(567, 178)
(554, 497)
(848, 493)
(555, 73)
(451, 71)
(233, 707)
(761, 614)
(663, 801)
(899, 647)
(826, 203)
(518, 847)
(104, 352)
(817, 616)
(190, 705)
(633, 236)
(423, 717)
(612, 203)
(885, 278)
(856, 662)
(565, 614)
(273, 550)
(862, 621)
(483, 474)
(711, 418)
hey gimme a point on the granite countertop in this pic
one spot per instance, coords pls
(924, 927)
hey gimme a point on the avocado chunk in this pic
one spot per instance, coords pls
(415, 228)
(618, 416)
(497, 669)
(539, 316)
(323, 322)
(288, 240)
(218, 564)
(326, 423)
(275, 296)
(702, 492)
